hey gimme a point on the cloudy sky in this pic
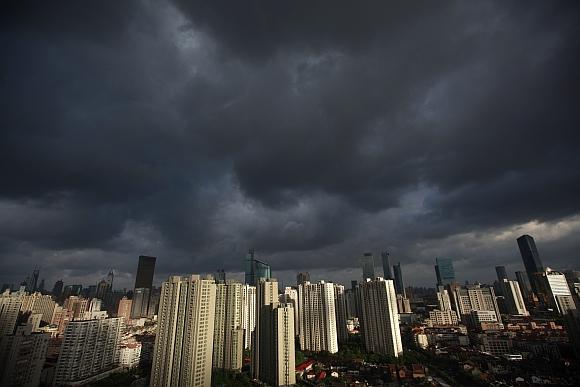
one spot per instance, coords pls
(313, 131)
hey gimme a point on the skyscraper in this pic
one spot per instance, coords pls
(185, 330)
(399, 284)
(97, 340)
(302, 277)
(476, 298)
(228, 336)
(255, 269)
(145, 272)
(556, 292)
(531, 259)
(368, 266)
(317, 317)
(444, 271)
(524, 282)
(501, 273)
(386, 265)
(290, 296)
(57, 289)
(380, 320)
(143, 286)
(273, 345)
(513, 297)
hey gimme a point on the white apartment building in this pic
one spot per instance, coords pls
(185, 329)
(248, 313)
(380, 320)
(89, 347)
(10, 304)
(317, 317)
(228, 337)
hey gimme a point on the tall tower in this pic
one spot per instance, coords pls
(386, 265)
(302, 277)
(273, 346)
(185, 330)
(399, 284)
(248, 313)
(501, 273)
(228, 337)
(380, 320)
(368, 266)
(255, 269)
(143, 286)
(317, 317)
(444, 271)
(341, 313)
(531, 258)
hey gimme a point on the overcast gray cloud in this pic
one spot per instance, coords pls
(313, 132)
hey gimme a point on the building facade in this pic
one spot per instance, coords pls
(317, 317)
(185, 329)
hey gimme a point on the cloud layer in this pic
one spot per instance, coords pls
(194, 130)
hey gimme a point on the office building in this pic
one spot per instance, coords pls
(341, 313)
(554, 287)
(386, 265)
(399, 284)
(273, 347)
(228, 336)
(531, 258)
(57, 289)
(145, 272)
(380, 320)
(185, 329)
(89, 348)
(514, 300)
(524, 282)
(10, 304)
(368, 266)
(255, 269)
(248, 314)
(444, 271)
(39, 303)
(22, 357)
(302, 277)
(317, 317)
(501, 273)
(140, 302)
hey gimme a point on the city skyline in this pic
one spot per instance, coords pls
(193, 132)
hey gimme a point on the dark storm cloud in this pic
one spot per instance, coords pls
(193, 130)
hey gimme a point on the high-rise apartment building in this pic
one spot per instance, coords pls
(39, 303)
(22, 357)
(443, 317)
(386, 265)
(273, 345)
(290, 296)
(368, 266)
(443, 298)
(476, 298)
(380, 320)
(531, 258)
(228, 336)
(514, 301)
(140, 302)
(89, 347)
(399, 284)
(248, 314)
(317, 317)
(444, 271)
(10, 304)
(185, 329)
(341, 313)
